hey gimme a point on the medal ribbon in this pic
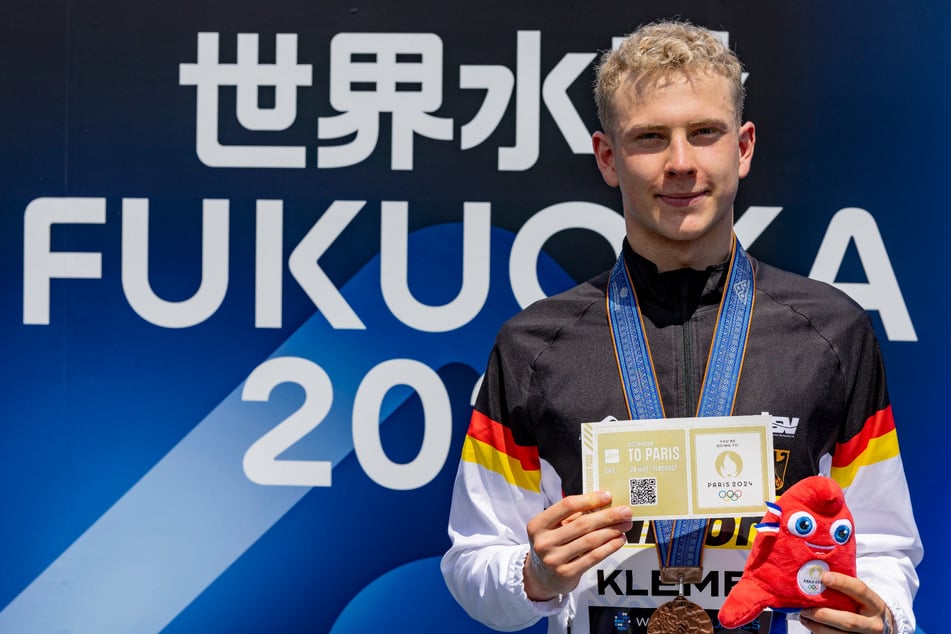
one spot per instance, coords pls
(680, 542)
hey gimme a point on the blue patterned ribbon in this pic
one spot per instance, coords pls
(680, 542)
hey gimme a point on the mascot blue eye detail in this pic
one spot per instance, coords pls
(841, 531)
(801, 524)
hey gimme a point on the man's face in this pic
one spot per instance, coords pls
(677, 155)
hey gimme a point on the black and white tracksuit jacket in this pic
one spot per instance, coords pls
(812, 362)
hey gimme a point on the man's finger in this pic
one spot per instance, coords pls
(830, 621)
(855, 588)
(604, 547)
(572, 507)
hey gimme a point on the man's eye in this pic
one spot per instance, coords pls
(649, 140)
(707, 134)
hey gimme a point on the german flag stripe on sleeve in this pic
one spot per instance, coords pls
(490, 445)
(876, 442)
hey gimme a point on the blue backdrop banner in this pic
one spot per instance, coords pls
(257, 254)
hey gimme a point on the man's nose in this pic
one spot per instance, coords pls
(680, 157)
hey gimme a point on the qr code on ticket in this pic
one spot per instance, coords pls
(643, 491)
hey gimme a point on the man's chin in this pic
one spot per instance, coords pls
(694, 227)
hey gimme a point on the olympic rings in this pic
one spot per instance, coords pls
(731, 495)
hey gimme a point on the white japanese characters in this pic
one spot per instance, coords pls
(371, 74)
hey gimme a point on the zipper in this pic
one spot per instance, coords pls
(690, 387)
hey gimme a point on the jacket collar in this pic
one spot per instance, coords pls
(673, 296)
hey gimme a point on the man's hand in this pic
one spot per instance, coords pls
(872, 618)
(570, 537)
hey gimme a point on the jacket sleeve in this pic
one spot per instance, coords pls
(500, 485)
(867, 463)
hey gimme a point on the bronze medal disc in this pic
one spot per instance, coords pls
(679, 617)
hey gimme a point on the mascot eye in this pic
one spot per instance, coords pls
(801, 524)
(841, 531)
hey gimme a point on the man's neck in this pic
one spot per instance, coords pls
(672, 256)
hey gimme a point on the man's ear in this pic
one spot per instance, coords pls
(747, 141)
(604, 155)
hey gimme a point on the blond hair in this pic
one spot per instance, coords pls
(659, 49)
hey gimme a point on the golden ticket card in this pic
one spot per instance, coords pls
(682, 467)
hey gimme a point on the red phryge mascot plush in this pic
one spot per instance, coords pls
(808, 533)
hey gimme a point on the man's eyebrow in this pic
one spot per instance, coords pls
(709, 123)
(635, 130)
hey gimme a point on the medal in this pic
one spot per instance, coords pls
(680, 617)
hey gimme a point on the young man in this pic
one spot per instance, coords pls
(526, 543)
